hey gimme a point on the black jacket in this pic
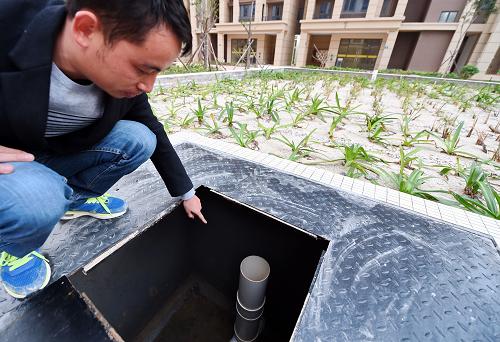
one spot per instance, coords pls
(28, 31)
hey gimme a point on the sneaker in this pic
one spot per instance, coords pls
(22, 276)
(102, 207)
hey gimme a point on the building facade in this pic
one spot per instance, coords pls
(423, 35)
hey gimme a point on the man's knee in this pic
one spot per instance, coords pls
(141, 141)
(32, 200)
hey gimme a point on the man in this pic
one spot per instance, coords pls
(74, 117)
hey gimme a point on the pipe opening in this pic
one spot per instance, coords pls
(255, 268)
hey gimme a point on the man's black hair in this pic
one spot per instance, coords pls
(132, 20)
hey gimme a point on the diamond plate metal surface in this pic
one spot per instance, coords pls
(388, 275)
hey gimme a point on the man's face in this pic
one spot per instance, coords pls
(124, 69)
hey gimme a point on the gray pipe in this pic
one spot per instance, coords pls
(254, 272)
(250, 298)
(246, 330)
(247, 313)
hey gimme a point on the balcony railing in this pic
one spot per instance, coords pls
(272, 17)
(248, 18)
(323, 16)
(353, 14)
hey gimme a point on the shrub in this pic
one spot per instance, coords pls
(468, 71)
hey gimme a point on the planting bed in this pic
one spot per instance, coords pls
(408, 135)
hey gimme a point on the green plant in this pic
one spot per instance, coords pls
(465, 104)
(411, 139)
(486, 97)
(474, 177)
(468, 71)
(212, 128)
(355, 90)
(293, 97)
(186, 121)
(168, 125)
(357, 160)
(317, 108)
(277, 93)
(271, 110)
(298, 118)
(228, 113)
(173, 109)
(244, 137)
(300, 149)
(490, 206)
(268, 131)
(407, 158)
(340, 113)
(181, 69)
(215, 104)
(257, 108)
(377, 103)
(409, 184)
(457, 169)
(376, 124)
(158, 91)
(450, 143)
(199, 112)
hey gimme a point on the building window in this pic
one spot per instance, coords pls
(358, 53)
(245, 10)
(276, 11)
(355, 5)
(388, 8)
(448, 17)
(354, 8)
(238, 49)
(325, 10)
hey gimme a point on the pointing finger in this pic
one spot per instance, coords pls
(201, 217)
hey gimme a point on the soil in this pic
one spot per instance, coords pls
(433, 114)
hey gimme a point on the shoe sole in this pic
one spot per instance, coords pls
(45, 283)
(70, 215)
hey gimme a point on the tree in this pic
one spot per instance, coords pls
(473, 9)
(247, 24)
(207, 14)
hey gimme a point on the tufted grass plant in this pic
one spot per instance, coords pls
(243, 136)
(489, 205)
(300, 149)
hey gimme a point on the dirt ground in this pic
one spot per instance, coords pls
(430, 110)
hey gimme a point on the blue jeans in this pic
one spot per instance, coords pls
(37, 194)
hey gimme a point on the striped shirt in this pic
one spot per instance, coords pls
(72, 106)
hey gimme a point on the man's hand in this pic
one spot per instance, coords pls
(193, 207)
(12, 155)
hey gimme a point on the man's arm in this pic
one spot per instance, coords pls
(165, 158)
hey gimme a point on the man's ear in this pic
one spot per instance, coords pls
(85, 25)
